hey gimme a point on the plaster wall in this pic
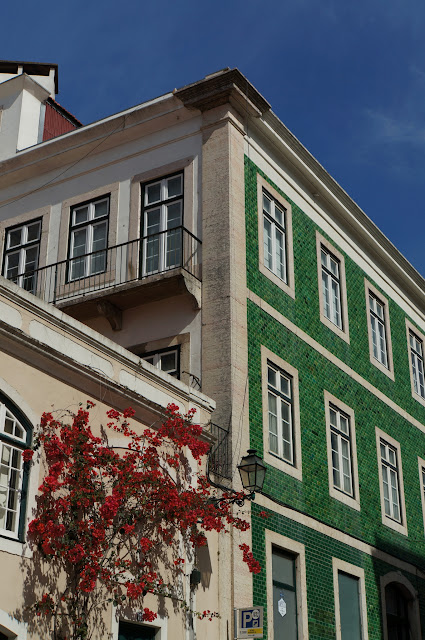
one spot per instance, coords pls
(148, 323)
(30, 120)
(11, 106)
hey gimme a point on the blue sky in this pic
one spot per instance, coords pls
(348, 79)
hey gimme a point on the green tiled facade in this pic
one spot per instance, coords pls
(317, 374)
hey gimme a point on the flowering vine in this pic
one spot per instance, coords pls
(109, 521)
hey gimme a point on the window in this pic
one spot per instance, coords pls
(350, 601)
(331, 287)
(284, 595)
(130, 631)
(88, 238)
(377, 323)
(417, 361)
(400, 607)
(342, 453)
(397, 615)
(421, 464)
(275, 237)
(415, 341)
(281, 439)
(287, 610)
(22, 249)
(379, 331)
(281, 423)
(332, 290)
(15, 436)
(391, 483)
(167, 360)
(162, 224)
(341, 450)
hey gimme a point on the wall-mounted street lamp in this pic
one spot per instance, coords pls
(252, 471)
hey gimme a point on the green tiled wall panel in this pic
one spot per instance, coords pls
(316, 374)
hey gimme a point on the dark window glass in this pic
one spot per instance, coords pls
(398, 627)
(349, 607)
(284, 596)
(129, 631)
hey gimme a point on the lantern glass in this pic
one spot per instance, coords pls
(252, 471)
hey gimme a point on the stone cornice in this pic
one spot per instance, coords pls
(228, 86)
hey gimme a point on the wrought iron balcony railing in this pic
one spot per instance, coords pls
(114, 266)
(219, 458)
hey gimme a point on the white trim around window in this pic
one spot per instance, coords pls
(339, 566)
(421, 468)
(380, 355)
(286, 283)
(333, 317)
(276, 540)
(295, 468)
(348, 495)
(397, 523)
(416, 361)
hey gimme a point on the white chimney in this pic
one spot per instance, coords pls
(24, 89)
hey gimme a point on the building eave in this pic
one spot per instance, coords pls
(324, 189)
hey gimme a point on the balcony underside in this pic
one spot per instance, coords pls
(132, 294)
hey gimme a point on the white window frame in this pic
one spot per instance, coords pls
(421, 467)
(156, 359)
(90, 225)
(400, 527)
(16, 444)
(343, 330)
(274, 539)
(287, 286)
(410, 328)
(350, 500)
(294, 470)
(22, 248)
(164, 233)
(389, 369)
(339, 566)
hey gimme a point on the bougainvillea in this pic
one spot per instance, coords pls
(110, 521)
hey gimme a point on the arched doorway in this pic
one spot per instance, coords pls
(400, 608)
(397, 612)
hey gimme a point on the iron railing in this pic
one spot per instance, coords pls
(114, 266)
(219, 457)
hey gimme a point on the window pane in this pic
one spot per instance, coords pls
(174, 215)
(153, 193)
(152, 222)
(12, 265)
(169, 362)
(283, 567)
(79, 242)
(101, 208)
(175, 186)
(285, 626)
(268, 244)
(81, 215)
(14, 238)
(349, 604)
(33, 232)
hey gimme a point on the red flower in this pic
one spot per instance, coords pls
(27, 455)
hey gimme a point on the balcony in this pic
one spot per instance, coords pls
(164, 263)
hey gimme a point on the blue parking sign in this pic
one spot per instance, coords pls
(249, 622)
